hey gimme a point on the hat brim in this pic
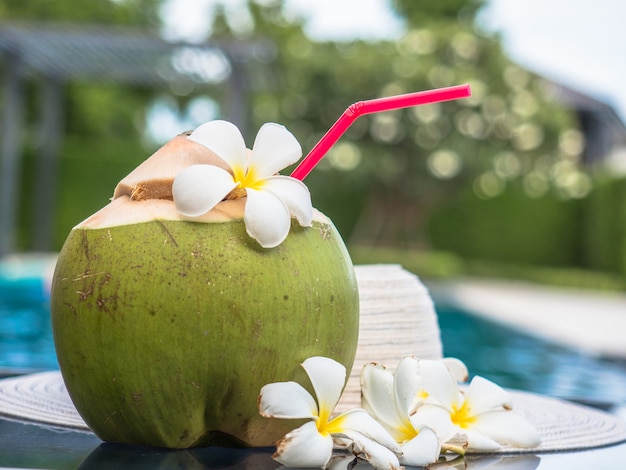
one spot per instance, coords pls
(397, 318)
(563, 426)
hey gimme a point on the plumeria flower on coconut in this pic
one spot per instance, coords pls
(481, 413)
(391, 399)
(311, 445)
(272, 199)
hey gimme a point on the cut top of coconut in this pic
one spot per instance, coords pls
(145, 194)
(153, 178)
(125, 211)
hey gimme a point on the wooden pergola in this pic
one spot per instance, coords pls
(53, 55)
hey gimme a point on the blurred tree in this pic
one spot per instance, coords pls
(421, 12)
(129, 12)
(382, 180)
(427, 155)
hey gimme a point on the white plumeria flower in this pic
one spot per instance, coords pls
(311, 444)
(271, 199)
(482, 413)
(389, 398)
(456, 368)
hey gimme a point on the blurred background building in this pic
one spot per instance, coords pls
(43, 59)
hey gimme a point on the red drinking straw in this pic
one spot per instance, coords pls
(354, 111)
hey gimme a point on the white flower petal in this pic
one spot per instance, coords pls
(457, 368)
(377, 397)
(507, 427)
(422, 450)
(266, 217)
(224, 139)
(295, 195)
(199, 188)
(328, 378)
(359, 422)
(304, 447)
(287, 400)
(477, 441)
(483, 395)
(407, 383)
(438, 382)
(378, 456)
(437, 418)
(274, 149)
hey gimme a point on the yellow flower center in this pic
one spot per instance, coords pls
(327, 426)
(247, 178)
(407, 431)
(462, 416)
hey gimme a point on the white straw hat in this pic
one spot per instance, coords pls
(397, 318)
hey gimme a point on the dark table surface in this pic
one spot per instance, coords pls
(25, 445)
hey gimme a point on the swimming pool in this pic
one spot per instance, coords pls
(508, 357)
(521, 361)
(25, 330)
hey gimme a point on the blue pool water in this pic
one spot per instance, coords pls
(518, 360)
(25, 330)
(510, 358)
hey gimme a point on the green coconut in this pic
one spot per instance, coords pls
(166, 329)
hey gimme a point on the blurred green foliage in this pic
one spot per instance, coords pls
(126, 12)
(101, 139)
(382, 180)
(88, 174)
(554, 276)
(511, 228)
(549, 231)
(604, 235)
(490, 179)
(442, 265)
(447, 10)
